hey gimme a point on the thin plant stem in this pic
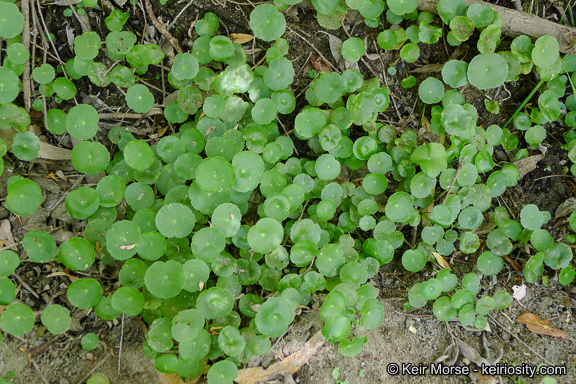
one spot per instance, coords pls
(524, 102)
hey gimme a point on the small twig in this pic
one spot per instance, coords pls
(386, 82)
(111, 68)
(314, 47)
(27, 286)
(286, 132)
(520, 340)
(25, 6)
(171, 24)
(120, 349)
(94, 369)
(81, 20)
(259, 62)
(161, 27)
(119, 116)
(61, 198)
(453, 181)
(39, 372)
(49, 53)
(281, 337)
(150, 85)
(304, 65)
(10, 246)
(45, 106)
(546, 177)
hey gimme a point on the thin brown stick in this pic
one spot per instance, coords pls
(10, 246)
(26, 285)
(547, 177)
(26, 88)
(453, 181)
(316, 49)
(161, 27)
(520, 340)
(39, 372)
(286, 132)
(516, 23)
(95, 368)
(120, 349)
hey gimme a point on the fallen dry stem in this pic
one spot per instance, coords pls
(516, 23)
(161, 27)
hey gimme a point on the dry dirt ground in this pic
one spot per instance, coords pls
(414, 337)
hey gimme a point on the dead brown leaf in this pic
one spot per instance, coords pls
(484, 379)
(6, 233)
(318, 64)
(541, 326)
(443, 263)
(290, 365)
(528, 164)
(512, 263)
(241, 38)
(175, 378)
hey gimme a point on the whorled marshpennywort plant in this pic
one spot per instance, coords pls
(224, 232)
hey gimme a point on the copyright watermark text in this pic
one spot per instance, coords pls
(439, 369)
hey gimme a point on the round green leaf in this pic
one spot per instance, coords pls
(9, 261)
(353, 49)
(11, 20)
(267, 22)
(76, 254)
(56, 319)
(207, 244)
(214, 174)
(139, 98)
(413, 260)
(546, 51)
(82, 202)
(17, 319)
(175, 220)
(9, 85)
(165, 280)
(138, 155)
(122, 239)
(431, 90)
(274, 316)
(215, 302)
(44, 74)
(40, 246)
(84, 293)
(128, 300)
(24, 197)
(222, 372)
(487, 71)
(90, 157)
(265, 236)
(86, 45)
(89, 342)
(82, 122)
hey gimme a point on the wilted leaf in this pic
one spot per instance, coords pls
(128, 246)
(541, 326)
(174, 378)
(519, 291)
(241, 38)
(566, 208)
(335, 48)
(319, 65)
(529, 164)
(443, 263)
(291, 364)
